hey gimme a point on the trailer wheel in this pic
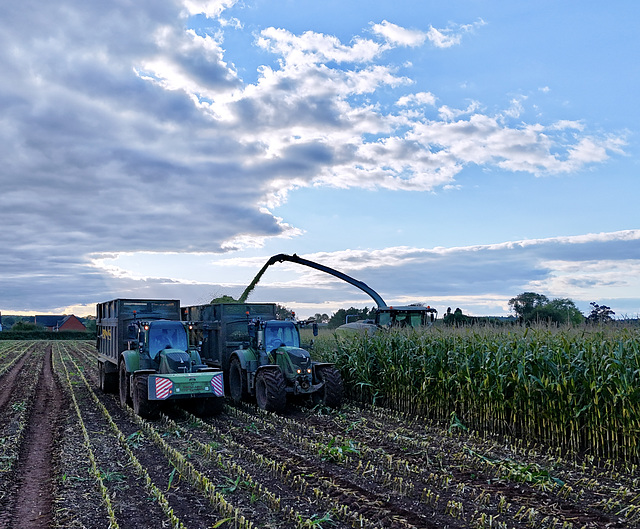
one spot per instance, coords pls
(147, 409)
(108, 381)
(271, 394)
(123, 385)
(237, 381)
(333, 390)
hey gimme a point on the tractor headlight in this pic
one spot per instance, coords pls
(309, 370)
(299, 371)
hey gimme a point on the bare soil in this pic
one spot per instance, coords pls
(363, 467)
(31, 500)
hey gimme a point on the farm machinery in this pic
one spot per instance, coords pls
(144, 355)
(385, 316)
(261, 357)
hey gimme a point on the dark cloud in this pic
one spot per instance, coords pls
(122, 132)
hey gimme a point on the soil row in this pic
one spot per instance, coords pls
(356, 467)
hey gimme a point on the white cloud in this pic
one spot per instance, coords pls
(313, 48)
(209, 8)
(420, 98)
(398, 35)
(479, 278)
(451, 36)
(441, 38)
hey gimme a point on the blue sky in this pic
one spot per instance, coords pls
(451, 153)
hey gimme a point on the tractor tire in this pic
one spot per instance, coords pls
(332, 392)
(147, 409)
(271, 394)
(237, 381)
(123, 385)
(207, 407)
(108, 381)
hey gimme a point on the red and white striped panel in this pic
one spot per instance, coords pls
(217, 384)
(163, 388)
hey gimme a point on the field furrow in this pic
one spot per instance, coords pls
(360, 466)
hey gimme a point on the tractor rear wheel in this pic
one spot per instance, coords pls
(147, 409)
(237, 381)
(123, 385)
(333, 390)
(271, 394)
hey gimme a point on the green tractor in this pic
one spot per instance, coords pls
(164, 368)
(274, 366)
(144, 355)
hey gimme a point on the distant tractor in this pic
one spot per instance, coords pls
(144, 355)
(261, 356)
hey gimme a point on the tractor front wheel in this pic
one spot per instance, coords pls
(237, 381)
(332, 392)
(123, 384)
(271, 394)
(147, 409)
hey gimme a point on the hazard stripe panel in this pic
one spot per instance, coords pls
(164, 388)
(218, 385)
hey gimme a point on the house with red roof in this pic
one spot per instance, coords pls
(60, 323)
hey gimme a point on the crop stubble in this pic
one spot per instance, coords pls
(359, 467)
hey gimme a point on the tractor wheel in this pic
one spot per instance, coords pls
(237, 381)
(108, 381)
(123, 385)
(271, 394)
(332, 392)
(207, 407)
(147, 409)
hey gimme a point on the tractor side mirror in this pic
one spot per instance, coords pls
(133, 332)
(315, 329)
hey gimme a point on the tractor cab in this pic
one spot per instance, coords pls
(280, 334)
(164, 346)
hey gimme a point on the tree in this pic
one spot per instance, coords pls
(532, 307)
(283, 313)
(600, 313)
(24, 326)
(524, 304)
(457, 318)
(90, 324)
(321, 318)
(559, 310)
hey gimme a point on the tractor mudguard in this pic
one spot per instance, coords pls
(245, 356)
(269, 366)
(131, 360)
(322, 364)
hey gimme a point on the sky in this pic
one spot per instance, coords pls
(454, 154)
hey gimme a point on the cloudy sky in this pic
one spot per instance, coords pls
(451, 153)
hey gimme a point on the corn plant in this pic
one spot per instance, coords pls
(578, 389)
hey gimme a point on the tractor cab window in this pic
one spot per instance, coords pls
(278, 334)
(384, 318)
(166, 336)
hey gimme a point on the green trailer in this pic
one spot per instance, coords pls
(144, 355)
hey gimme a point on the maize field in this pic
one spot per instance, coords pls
(363, 466)
(577, 390)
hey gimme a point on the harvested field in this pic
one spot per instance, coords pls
(357, 467)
